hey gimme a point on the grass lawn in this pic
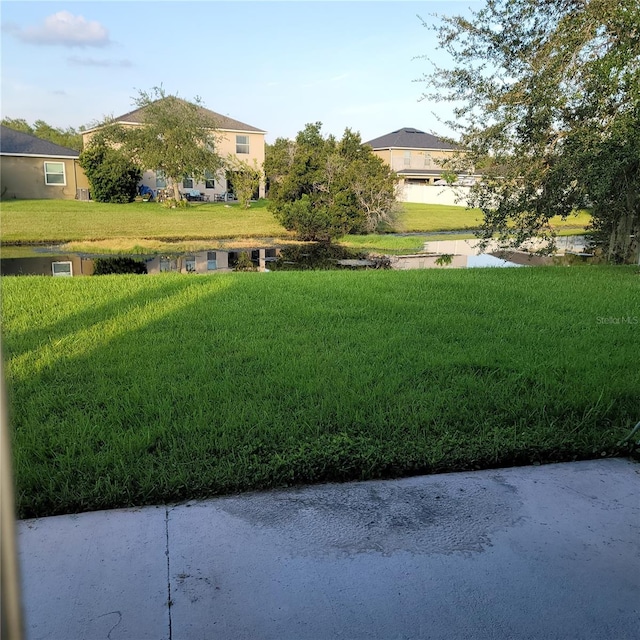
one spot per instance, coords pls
(433, 217)
(437, 217)
(131, 390)
(391, 244)
(141, 227)
(52, 221)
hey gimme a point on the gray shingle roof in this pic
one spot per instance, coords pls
(20, 143)
(224, 122)
(409, 138)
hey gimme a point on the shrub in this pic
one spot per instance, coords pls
(113, 177)
(245, 263)
(310, 221)
(172, 203)
(109, 266)
(322, 188)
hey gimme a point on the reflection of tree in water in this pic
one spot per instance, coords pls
(317, 256)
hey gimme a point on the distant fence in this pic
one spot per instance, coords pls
(431, 194)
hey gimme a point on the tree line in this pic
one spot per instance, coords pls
(69, 137)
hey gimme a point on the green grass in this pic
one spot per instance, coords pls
(387, 243)
(437, 217)
(129, 390)
(122, 228)
(51, 221)
(423, 217)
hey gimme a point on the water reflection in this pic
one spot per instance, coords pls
(64, 265)
(297, 258)
(305, 257)
(302, 257)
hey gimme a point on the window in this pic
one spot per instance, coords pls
(54, 173)
(209, 182)
(168, 264)
(190, 264)
(211, 261)
(427, 159)
(407, 158)
(61, 269)
(187, 182)
(161, 179)
(242, 144)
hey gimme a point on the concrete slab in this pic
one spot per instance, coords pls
(531, 552)
(95, 575)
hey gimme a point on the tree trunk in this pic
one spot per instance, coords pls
(176, 190)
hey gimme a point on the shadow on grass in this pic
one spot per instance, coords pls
(279, 379)
(82, 310)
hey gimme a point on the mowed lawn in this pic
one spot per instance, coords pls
(123, 226)
(71, 220)
(131, 390)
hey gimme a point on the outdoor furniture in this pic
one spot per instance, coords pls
(194, 194)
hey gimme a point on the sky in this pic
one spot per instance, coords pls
(274, 65)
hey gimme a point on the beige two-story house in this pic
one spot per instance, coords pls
(414, 155)
(235, 138)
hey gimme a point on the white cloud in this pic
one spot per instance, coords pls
(93, 62)
(63, 28)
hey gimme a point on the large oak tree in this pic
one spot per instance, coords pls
(177, 137)
(546, 100)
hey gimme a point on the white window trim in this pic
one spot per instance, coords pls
(247, 144)
(62, 274)
(47, 173)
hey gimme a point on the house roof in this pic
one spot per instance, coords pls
(19, 143)
(409, 138)
(224, 122)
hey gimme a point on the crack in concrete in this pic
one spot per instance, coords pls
(119, 614)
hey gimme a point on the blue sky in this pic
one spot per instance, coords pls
(273, 65)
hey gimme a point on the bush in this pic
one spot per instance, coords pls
(245, 263)
(311, 222)
(172, 203)
(109, 266)
(113, 177)
(323, 189)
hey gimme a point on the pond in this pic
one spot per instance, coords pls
(51, 261)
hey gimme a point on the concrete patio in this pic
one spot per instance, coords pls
(545, 552)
